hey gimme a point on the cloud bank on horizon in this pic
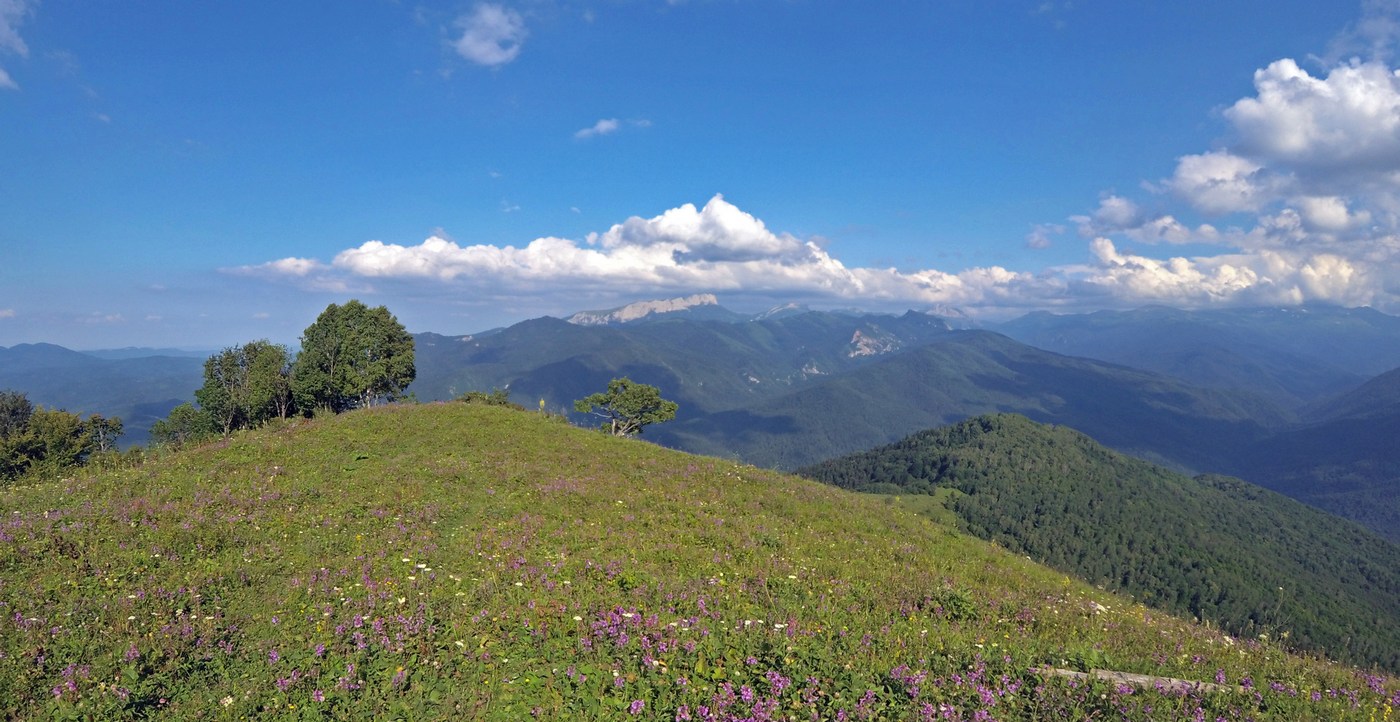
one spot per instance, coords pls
(1299, 202)
(588, 155)
(1309, 183)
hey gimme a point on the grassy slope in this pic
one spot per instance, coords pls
(1213, 547)
(452, 561)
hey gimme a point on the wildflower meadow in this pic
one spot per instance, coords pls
(456, 561)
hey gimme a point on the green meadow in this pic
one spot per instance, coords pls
(458, 561)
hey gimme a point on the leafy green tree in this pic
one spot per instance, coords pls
(54, 440)
(626, 407)
(494, 397)
(352, 356)
(269, 380)
(15, 410)
(246, 385)
(103, 433)
(224, 395)
(185, 425)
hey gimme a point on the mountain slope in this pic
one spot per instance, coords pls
(966, 373)
(1378, 396)
(1295, 356)
(1345, 459)
(702, 306)
(706, 366)
(1213, 547)
(467, 562)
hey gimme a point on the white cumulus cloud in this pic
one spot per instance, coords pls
(492, 35)
(1218, 182)
(720, 248)
(602, 127)
(714, 248)
(1347, 122)
(1306, 184)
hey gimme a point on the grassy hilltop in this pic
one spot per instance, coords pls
(467, 562)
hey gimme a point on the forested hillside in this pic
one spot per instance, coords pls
(1214, 547)
(705, 365)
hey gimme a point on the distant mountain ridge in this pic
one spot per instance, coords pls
(139, 389)
(1274, 396)
(966, 373)
(701, 305)
(1296, 356)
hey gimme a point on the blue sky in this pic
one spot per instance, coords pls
(204, 174)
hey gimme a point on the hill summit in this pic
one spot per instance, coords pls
(451, 561)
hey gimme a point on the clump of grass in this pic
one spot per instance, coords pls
(471, 561)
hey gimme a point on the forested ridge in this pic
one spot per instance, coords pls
(1215, 547)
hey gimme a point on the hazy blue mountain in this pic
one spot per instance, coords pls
(131, 352)
(1214, 547)
(1344, 458)
(706, 366)
(140, 389)
(1379, 396)
(1273, 396)
(1295, 356)
(966, 373)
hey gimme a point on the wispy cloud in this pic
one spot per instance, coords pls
(7, 313)
(492, 35)
(12, 15)
(1041, 233)
(608, 126)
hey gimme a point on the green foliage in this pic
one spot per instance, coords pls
(52, 441)
(102, 433)
(244, 386)
(626, 407)
(352, 356)
(494, 397)
(465, 561)
(185, 425)
(15, 410)
(1213, 547)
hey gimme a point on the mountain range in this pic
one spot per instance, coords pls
(1303, 400)
(140, 386)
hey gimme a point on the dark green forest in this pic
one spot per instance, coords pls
(1221, 549)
